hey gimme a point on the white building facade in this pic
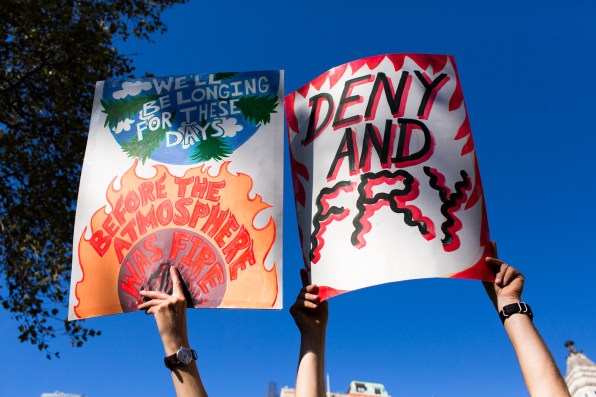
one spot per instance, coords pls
(581, 373)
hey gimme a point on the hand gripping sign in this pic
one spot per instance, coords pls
(183, 171)
(385, 174)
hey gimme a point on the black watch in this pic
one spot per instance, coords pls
(519, 307)
(183, 356)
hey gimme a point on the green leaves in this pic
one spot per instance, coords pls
(212, 148)
(145, 148)
(52, 54)
(122, 109)
(150, 143)
(257, 108)
(224, 76)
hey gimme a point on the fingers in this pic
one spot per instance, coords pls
(154, 299)
(309, 292)
(510, 274)
(308, 297)
(149, 305)
(304, 277)
(505, 273)
(309, 301)
(154, 294)
(177, 285)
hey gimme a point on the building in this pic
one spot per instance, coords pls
(361, 389)
(61, 394)
(355, 389)
(581, 373)
(580, 379)
(272, 390)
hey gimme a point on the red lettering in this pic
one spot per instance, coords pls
(118, 213)
(179, 240)
(141, 261)
(347, 99)
(327, 213)
(213, 190)
(129, 230)
(314, 126)
(132, 202)
(213, 278)
(246, 258)
(196, 244)
(431, 88)
(348, 147)
(201, 210)
(199, 188)
(182, 216)
(144, 222)
(165, 212)
(146, 191)
(397, 102)
(240, 242)
(226, 231)
(182, 184)
(215, 220)
(99, 242)
(121, 245)
(148, 244)
(131, 280)
(160, 188)
(206, 257)
(110, 226)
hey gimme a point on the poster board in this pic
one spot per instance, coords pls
(386, 180)
(185, 171)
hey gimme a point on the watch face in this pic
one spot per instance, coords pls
(184, 355)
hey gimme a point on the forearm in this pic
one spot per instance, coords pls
(310, 378)
(540, 372)
(187, 381)
(186, 378)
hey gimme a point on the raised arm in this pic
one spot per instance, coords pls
(170, 315)
(540, 372)
(310, 315)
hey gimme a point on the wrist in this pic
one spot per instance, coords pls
(183, 357)
(504, 301)
(518, 309)
(173, 343)
(313, 341)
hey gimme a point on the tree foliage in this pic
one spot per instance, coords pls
(51, 54)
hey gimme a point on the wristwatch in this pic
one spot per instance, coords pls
(519, 307)
(183, 356)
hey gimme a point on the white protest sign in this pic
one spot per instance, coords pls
(385, 174)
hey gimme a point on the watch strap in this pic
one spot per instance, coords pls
(172, 360)
(514, 308)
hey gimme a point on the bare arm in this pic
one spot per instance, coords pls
(170, 316)
(311, 317)
(540, 372)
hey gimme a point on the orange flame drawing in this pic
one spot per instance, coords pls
(202, 224)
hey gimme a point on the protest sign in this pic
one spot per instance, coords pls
(385, 174)
(184, 171)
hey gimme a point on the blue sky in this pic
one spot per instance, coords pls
(526, 71)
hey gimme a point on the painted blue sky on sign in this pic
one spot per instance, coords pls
(186, 111)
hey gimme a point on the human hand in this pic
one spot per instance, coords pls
(310, 314)
(169, 312)
(508, 285)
